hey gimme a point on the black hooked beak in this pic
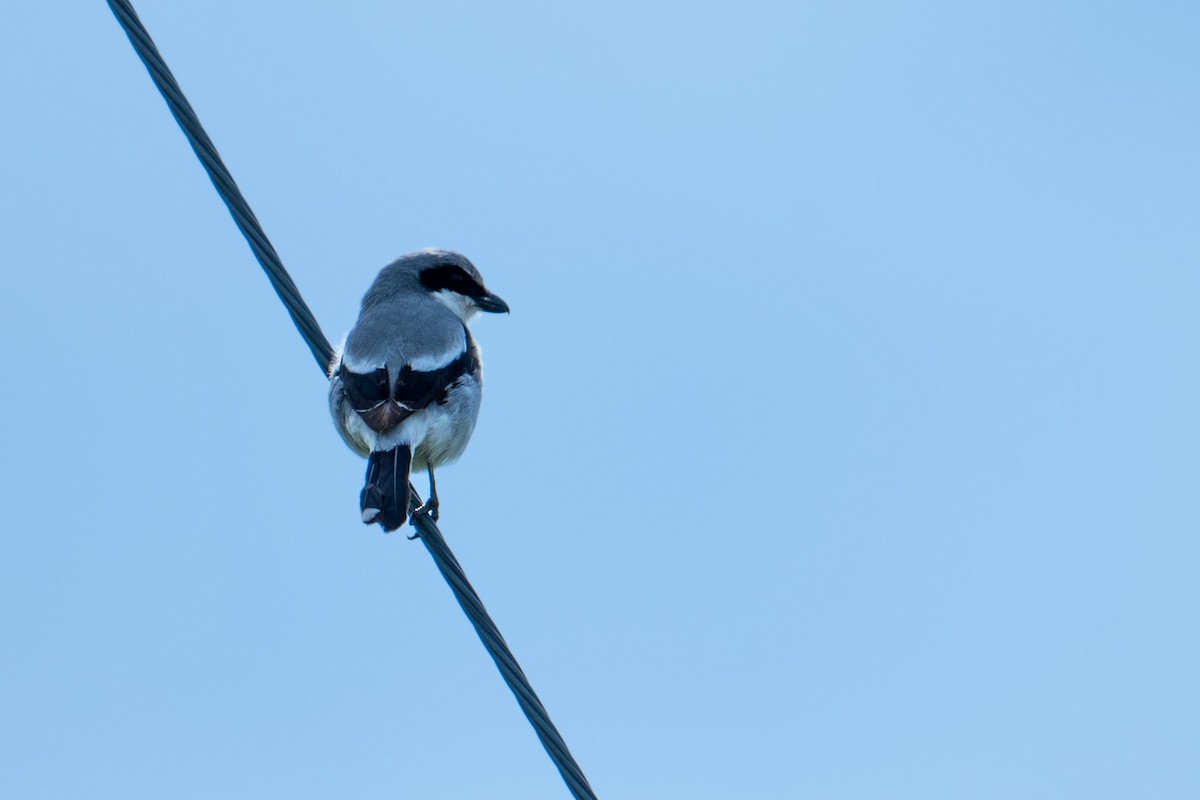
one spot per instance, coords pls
(491, 303)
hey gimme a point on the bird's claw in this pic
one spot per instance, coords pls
(428, 509)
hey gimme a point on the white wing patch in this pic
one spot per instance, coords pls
(431, 361)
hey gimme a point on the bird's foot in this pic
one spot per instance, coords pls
(429, 508)
(426, 509)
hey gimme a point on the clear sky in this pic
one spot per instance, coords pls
(842, 441)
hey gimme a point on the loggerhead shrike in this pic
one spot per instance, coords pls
(405, 390)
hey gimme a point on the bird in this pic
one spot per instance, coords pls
(405, 387)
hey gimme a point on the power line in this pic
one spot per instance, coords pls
(306, 323)
(206, 151)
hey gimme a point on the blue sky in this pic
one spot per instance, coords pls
(842, 441)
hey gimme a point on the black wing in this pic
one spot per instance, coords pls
(365, 391)
(382, 409)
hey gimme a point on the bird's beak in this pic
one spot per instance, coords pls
(492, 304)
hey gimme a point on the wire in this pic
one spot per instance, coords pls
(506, 662)
(322, 351)
(206, 151)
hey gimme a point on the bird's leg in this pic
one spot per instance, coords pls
(430, 506)
(432, 503)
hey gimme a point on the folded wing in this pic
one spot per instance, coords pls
(383, 406)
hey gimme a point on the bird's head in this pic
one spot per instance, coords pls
(447, 276)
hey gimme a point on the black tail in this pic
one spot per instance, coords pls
(385, 497)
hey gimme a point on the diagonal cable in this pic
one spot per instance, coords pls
(306, 323)
(206, 151)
